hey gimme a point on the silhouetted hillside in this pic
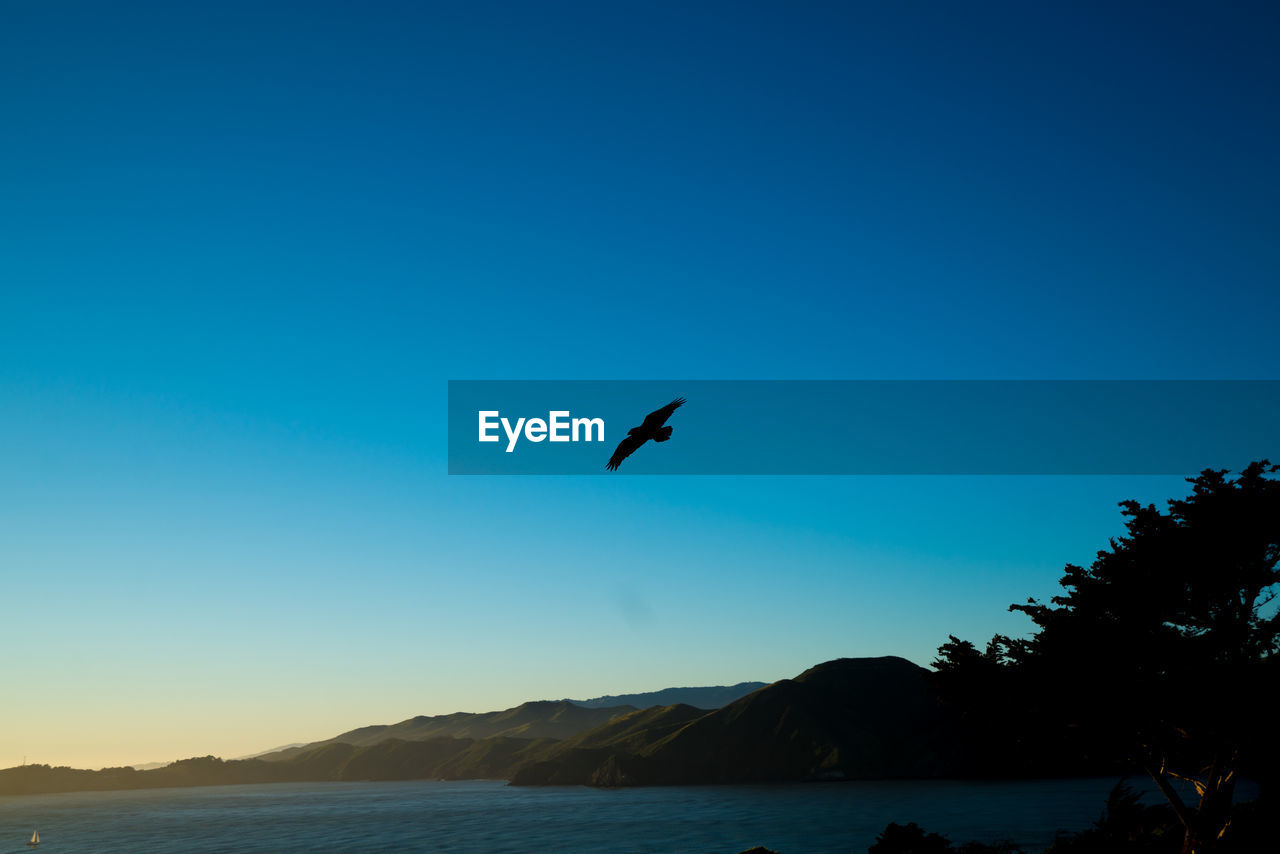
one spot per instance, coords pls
(443, 758)
(845, 719)
(712, 697)
(539, 719)
(638, 729)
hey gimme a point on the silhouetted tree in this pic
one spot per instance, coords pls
(909, 839)
(1162, 648)
(1126, 826)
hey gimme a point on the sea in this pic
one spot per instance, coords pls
(490, 816)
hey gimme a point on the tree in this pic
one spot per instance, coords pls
(1162, 647)
(909, 839)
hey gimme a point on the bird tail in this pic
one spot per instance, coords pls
(664, 433)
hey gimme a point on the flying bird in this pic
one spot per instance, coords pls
(652, 428)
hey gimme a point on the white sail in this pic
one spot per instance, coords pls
(35, 838)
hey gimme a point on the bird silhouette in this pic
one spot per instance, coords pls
(652, 428)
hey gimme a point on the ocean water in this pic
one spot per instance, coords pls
(489, 816)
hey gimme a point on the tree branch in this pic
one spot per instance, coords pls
(1170, 795)
(1199, 786)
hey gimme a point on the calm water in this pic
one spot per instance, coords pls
(487, 816)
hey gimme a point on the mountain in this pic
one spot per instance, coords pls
(257, 755)
(441, 758)
(712, 697)
(556, 719)
(846, 719)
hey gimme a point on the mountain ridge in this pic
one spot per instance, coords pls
(555, 719)
(855, 718)
(558, 719)
(852, 718)
(707, 697)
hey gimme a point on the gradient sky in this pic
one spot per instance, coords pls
(243, 250)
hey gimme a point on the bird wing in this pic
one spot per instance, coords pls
(625, 448)
(659, 417)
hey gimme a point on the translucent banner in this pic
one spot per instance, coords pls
(817, 427)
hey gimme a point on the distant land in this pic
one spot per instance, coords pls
(545, 719)
(558, 719)
(845, 719)
(852, 718)
(700, 698)
(259, 753)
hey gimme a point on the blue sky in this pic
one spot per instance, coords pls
(242, 250)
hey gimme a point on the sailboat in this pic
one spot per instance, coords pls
(35, 839)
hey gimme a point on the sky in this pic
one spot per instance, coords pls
(245, 246)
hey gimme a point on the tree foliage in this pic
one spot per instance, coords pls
(1161, 650)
